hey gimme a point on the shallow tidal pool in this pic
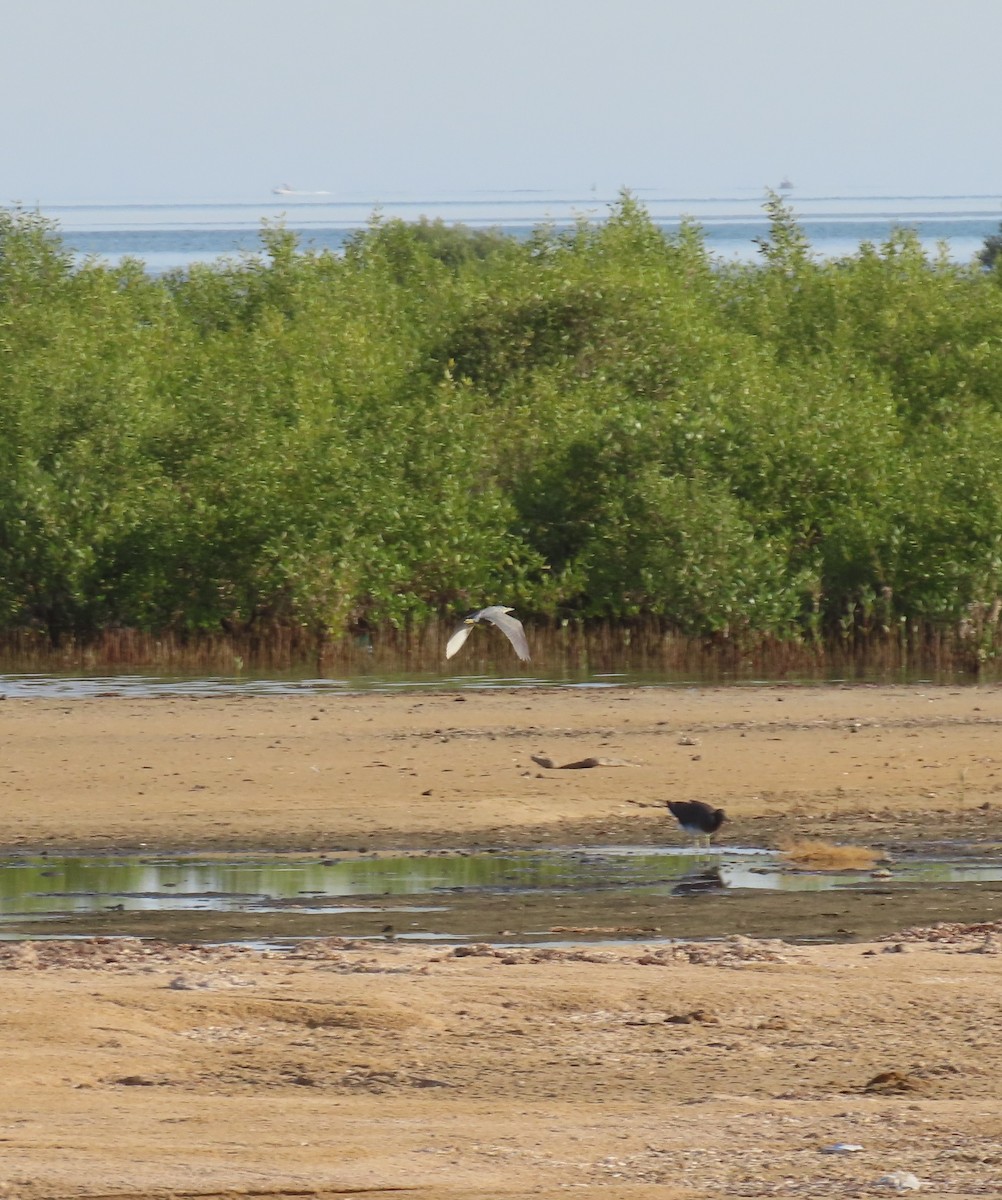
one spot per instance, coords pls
(507, 897)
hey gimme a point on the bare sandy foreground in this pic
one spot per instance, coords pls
(664, 1070)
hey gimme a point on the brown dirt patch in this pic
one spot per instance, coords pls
(697, 1069)
(694, 1070)
(446, 769)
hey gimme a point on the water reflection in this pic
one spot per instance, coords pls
(80, 686)
(37, 884)
(43, 885)
(699, 883)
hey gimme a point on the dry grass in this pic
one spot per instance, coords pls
(815, 855)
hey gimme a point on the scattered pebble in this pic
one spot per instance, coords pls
(954, 935)
(901, 1181)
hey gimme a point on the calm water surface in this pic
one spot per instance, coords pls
(82, 685)
(169, 235)
(541, 894)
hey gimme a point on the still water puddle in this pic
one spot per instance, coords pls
(137, 685)
(535, 895)
(28, 685)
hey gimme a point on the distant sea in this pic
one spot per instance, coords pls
(169, 235)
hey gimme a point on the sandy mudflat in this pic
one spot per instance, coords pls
(374, 771)
(136, 1069)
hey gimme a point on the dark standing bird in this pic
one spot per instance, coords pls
(495, 614)
(698, 820)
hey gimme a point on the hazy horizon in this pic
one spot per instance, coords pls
(307, 199)
(195, 101)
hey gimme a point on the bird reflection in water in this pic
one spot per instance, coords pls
(697, 883)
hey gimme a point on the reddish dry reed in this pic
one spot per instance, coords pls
(810, 855)
(573, 648)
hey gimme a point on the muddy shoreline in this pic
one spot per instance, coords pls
(595, 918)
(142, 1070)
(890, 765)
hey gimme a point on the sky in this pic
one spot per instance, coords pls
(202, 100)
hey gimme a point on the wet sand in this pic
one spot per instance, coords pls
(137, 1069)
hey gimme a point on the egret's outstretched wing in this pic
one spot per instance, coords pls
(510, 626)
(458, 639)
(496, 614)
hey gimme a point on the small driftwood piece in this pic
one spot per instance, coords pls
(544, 760)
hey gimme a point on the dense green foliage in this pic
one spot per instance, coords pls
(596, 422)
(991, 249)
